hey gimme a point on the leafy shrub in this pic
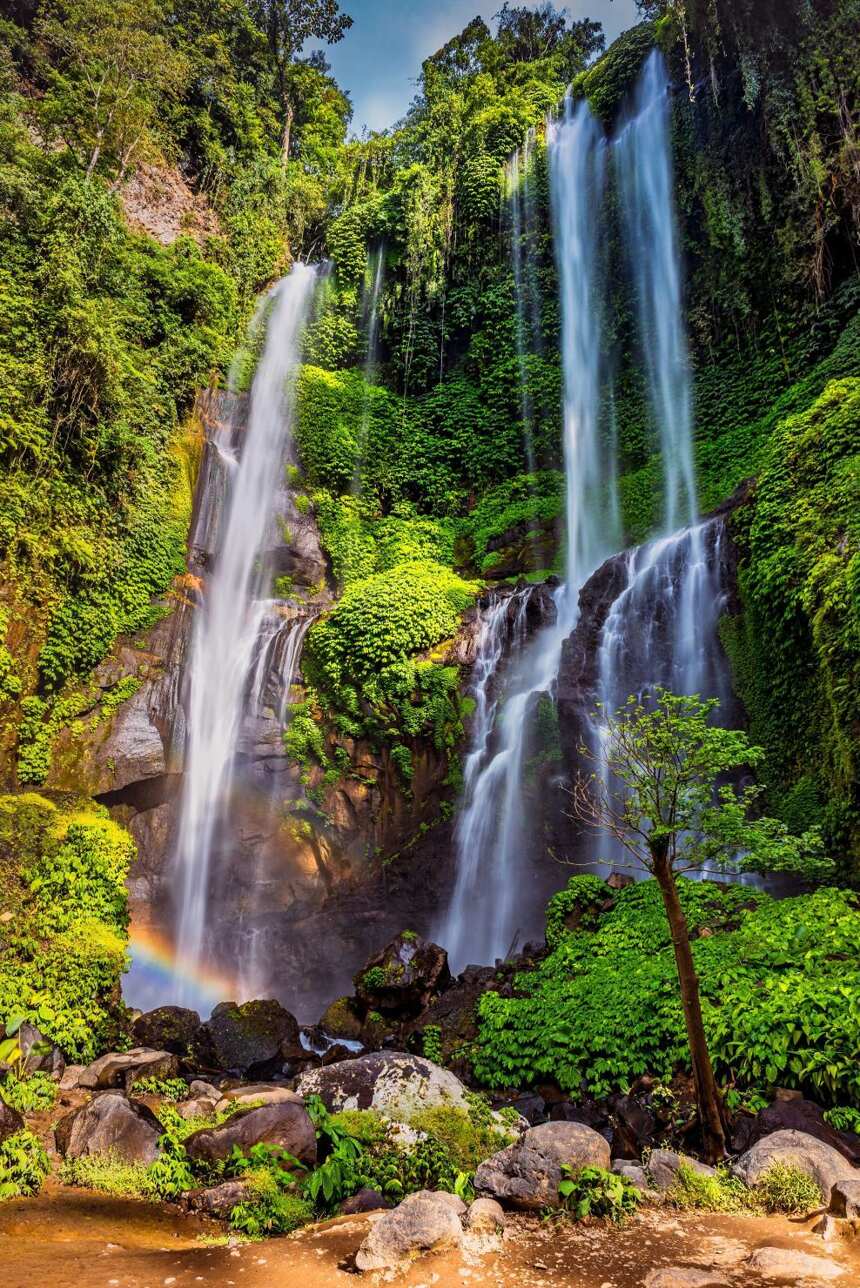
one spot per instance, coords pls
(108, 1174)
(786, 1189)
(23, 1165)
(843, 1118)
(467, 1142)
(64, 880)
(29, 1094)
(776, 978)
(720, 1193)
(168, 1088)
(592, 1191)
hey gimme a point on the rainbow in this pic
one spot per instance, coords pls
(156, 972)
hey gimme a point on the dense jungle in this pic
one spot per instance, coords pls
(430, 648)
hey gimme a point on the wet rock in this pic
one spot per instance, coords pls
(664, 1165)
(253, 1039)
(486, 1216)
(564, 1111)
(401, 978)
(825, 1165)
(394, 1083)
(527, 1175)
(219, 1200)
(167, 1028)
(422, 1223)
(259, 1093)
(10, 1121)
(337, 1052)
(794, 1113)
(339, 1020)
(364, 1200)
(684, 1277)
(845, 1199)
(791, 1265)
(110, 1124)
(635, 1126)
(123, 1068)
(286, 1124)
(39, 1053)
(532, 1108)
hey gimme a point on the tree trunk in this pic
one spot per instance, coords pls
(707, 1095)
(289, 116)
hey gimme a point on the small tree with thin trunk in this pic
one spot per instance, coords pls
(663, 784)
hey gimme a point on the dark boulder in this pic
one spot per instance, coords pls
(340, 1019)
(39, 1053)
(365, 1200)
(10, 1121)
(634, 1126)
(286, 1124)
(110, 1124)
(167, 1028)
(337, 1052)
(403, 977)
(253, 1040)
(532, 1107)
(219, 1200)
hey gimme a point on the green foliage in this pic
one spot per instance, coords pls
(431, 1043)
(64, 946)
(777, 985)
(23, 1165)
(843, 1118)
(172, 1089)
(691, 1190)
(592, 1191)
(579, 904)
(273, 1210)
(787, 1189)
(467, 1142)
(108, 1174)
(31, 1093)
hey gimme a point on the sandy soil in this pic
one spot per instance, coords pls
(75, 1239)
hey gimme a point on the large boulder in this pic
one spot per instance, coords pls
(527, 1174)
(394, 1083)
(123, 1068)
(110, 1124)
(219, 1200)
(422, 1223)
(794, 1113)
(402, 978)
(10, 1121)
(825, 1165)
(167, 1028)
(256, 1093)
(286, 1124)
(253, 1040)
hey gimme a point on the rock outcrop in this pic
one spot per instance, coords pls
(253, 1039)
(423, 1222)
(110, 1124)
(402, 977)
(394, 1083)
(123, 1068)
(285, 1124)
(527, 1174)
(825, 1165)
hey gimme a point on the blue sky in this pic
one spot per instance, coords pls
(380, 57)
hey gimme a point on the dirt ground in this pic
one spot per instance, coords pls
(75, 1239)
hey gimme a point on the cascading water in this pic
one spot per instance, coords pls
(644, 168)
(494, 835)
(370, 313)
(231, 626)
(663, 627)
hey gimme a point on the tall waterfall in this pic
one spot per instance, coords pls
(370, 316)
(645, 174)
(494, 836)
(235, 626)
(519, 189)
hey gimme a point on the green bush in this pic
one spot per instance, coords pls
(786, 1189)
(65, 945)
(29, 1094)
(722, 1192)
(23, 1165)
(592, 1191)
(776, 978)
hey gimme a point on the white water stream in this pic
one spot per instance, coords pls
(230, 631)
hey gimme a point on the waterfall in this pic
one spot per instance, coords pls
(519, 188)
(233, 626)
(494, 835)
(370, 314)
(644, 168)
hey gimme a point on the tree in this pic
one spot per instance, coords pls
(524, 35)
(111, 72)
(664, 784)
(288, 24)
